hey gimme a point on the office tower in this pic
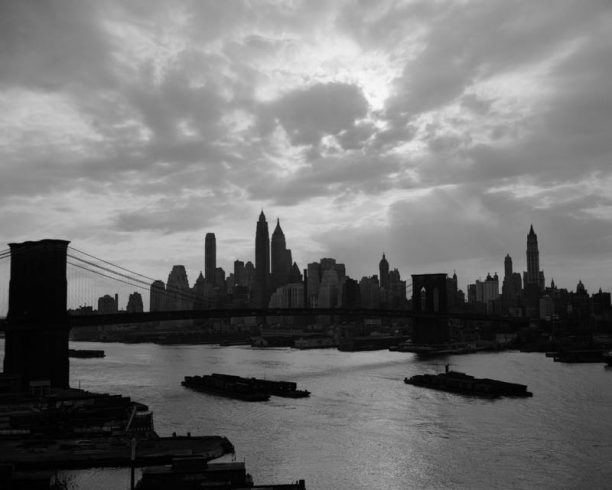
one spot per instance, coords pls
(369, 291)
(280, 258)
(383, 268)
(533, 258)
(511, 286)
(107, 304)
(157, 296)
(210, 258)
(134, 304)
(313, 281)
(239, 274)
(262, 262)
(295, 275)
(329, 289)
(533, 278)
(178, 292)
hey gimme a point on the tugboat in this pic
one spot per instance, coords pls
(218, 385)
(464, 384)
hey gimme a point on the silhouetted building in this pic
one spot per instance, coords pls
(107, 304)
(220, 278)
(329, 289)
(313, 282)
(178, 292)
(134, 304)
(369, 291)
(351, 294)
(511, 286)
(383, 269)
(239, 273)
(429, 296)
(210, 258)
(601, 303)
(280, 258)
(157, 296)
(262, 262)
(533, 279)
(294, 274)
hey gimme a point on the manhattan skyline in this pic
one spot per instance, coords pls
(436, 133)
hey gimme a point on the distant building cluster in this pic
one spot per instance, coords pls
(528, 296)
(276, 281)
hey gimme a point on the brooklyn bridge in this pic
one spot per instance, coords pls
(38, 322)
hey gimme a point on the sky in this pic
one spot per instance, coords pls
(434, 131)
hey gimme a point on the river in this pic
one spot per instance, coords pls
(362, 427)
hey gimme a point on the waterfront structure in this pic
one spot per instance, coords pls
(210, 258)
(262, 262)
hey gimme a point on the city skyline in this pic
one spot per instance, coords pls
(433, 132)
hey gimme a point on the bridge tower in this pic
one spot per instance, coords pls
(429, 295)
(36, 343)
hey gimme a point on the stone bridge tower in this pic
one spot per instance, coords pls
(36, 344)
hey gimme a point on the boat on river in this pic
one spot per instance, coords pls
(85, 353)
(464, 384)
(218, 385)
(287, 389)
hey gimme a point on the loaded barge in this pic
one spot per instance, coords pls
(464, 384)
(219, 385)
(248, 389)
(287, 389)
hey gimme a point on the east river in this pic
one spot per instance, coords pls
(362, 427)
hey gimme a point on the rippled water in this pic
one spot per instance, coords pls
(363, 428)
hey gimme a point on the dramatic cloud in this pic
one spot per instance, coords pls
(436, 132)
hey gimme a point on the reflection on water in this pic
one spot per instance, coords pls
(363, 427)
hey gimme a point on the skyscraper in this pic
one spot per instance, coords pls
(210, 258)
(533, 278)
(383, 269)
(533, 258)
(280, 258)
(262, 261)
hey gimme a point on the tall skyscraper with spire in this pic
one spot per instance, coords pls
(210, 258)
(262, 261)
(533, 258)
(280, 258)
(383, 269)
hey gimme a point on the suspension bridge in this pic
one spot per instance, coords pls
(47, 285)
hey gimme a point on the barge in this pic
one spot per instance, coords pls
(85, 353)
(464, 384)
(230, 388)
(287, 389)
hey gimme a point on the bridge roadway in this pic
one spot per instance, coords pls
(76, 321)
